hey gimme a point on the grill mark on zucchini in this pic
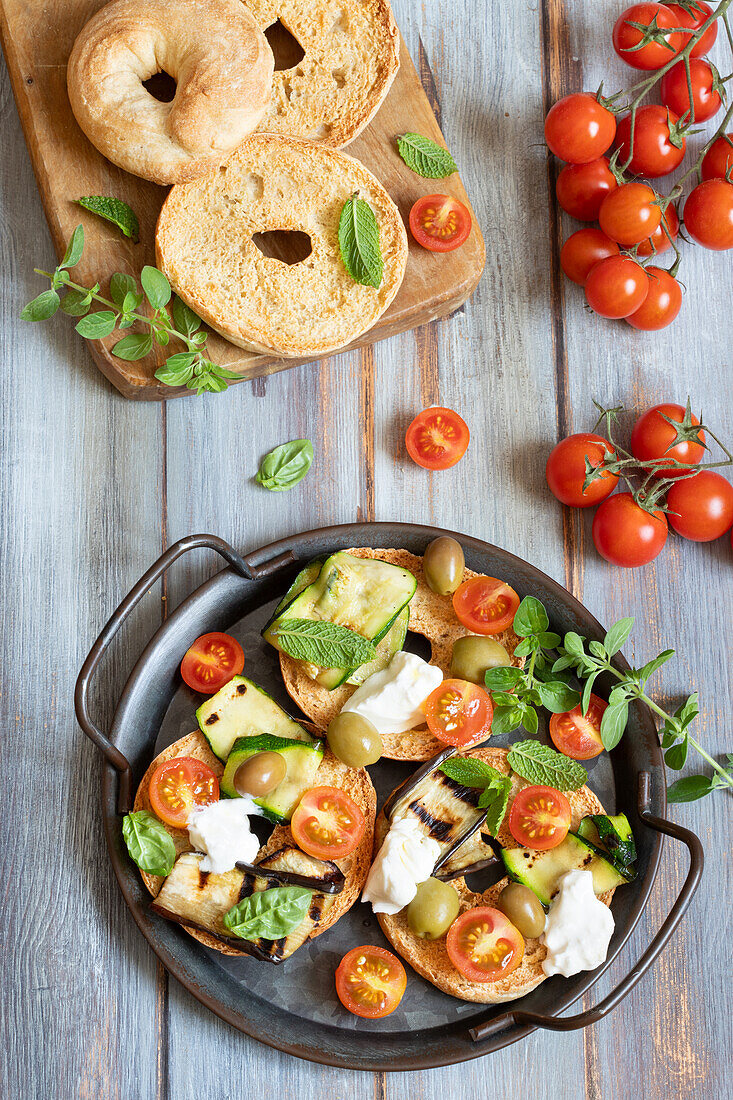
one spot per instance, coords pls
(212, 718)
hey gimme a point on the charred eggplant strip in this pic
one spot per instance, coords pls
(331, 882)
(244, 946)
(410, 784)
(474, 854)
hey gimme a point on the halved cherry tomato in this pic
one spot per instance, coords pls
(440, 223)
(579, 735)
(484, 945)
(370, 982)
(327, 823)
(539, 818)
(694, 19)
(459, 713)
(653, 436)
(437, 438)
(180, 786)
(485, 605)
(211, 662)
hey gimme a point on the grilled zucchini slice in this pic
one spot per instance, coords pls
(302, 759)
(542, 871)
(612, 835)
(242, 709)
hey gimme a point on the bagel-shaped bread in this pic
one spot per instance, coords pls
(204, 246)
(430, 615)
(351, 56)
(213, 49)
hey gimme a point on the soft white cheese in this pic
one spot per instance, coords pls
(391, 699)
(406, 858)
(578, 928)
(221, 831)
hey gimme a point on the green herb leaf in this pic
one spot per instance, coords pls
(470, 772)
(676, 756)
(531, 617)
(149, 843)
(268, 914)
(323, 643)
(120, 285)
(184, 318)
(548, 639)
(42, 307)
(530, 721)
(76, 303)
(181, 360)
(506, 719)
(613, 723)
(97, 325)
(656, 663)
(598, 650)
(74, 248)
(358, 237)
(156, 286)
(425, 157)
(286, 465)
(540, 764)
(557, 697)
(617, 635)
(525, 647)
(587, 689)
(689, 789)
(115, 211)
(495, 801)
(502, 678)
(133, 347)
(131, 301)
(573, 643)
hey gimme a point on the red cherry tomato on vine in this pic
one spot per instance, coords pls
(581, 188)
(630, 213)
(660, 238)
(655, 154)
(719, 158)
(583, 250)
(694, 19)
(437, 438)
(709, 214)
(616, 287)
(662, 303)
(675, 93)
(579, 129)
(565, 470)
(627, 39)
(701, 506)
(625, 534)
(652, 437)
(440, 223)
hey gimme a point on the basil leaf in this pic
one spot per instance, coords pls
(531, 617)
(557, 697)
(42, 307)
(689, 789)
(496, 800)
(133, 347)
(156, 286)
(470, 772)
(97, 325)
(286, 465)
(149, 843)
(425, 157)
(540, 764)
(613, 724)
(120, 285)
(502, 678)
(323, 643)
(115, 211)
(184, 318)
(74, 248)
(358, 237)
(268, 914)
(617, 635)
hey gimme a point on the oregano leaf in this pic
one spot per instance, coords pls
(133, 347)
(156, 286)
(42, 307)
(74, 248)
(95, 326)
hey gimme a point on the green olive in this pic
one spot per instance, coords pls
(523, 908)
(443, 565)
(260, 774)
(433, 909)
(354, 740)
(472, 655)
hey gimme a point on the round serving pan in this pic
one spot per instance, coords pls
(293, 1007)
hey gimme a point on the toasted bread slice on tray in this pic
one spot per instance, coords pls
(331, 773)
(430, 957)
(430, 615)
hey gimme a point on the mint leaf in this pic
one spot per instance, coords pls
(268, 914)
(286, 465)
(149, 843)
(425, 157)
(358, 237)
(115, 211)
(531, 617)
(42, 307)
(470, 772)
(156, 286)
(538, 763)
(496, 800)
(322, 643)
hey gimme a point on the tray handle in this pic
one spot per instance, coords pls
(583, 1019)
(110, 752)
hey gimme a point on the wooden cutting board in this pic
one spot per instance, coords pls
(37, 39)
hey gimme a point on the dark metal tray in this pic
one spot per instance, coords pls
(294, 1007)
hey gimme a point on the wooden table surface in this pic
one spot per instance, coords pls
(94, 487)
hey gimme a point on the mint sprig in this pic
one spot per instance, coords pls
(115, 211)
(538, 763)
(495, 787)
(425, 157)
(358, 237)
(322, 643)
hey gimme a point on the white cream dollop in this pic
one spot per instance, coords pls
(578, 928)
(406, 859)
(222, 832)
(391, 699)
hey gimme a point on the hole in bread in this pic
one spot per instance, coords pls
(286, 48)
(161, 86)
(339, 77)
(290, 246)
(419, 644)
(321, 132)
(340, 23)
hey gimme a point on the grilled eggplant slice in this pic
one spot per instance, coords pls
(199, 899)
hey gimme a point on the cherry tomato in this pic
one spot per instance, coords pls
(459, 713)
(485, 605)
(579, 735)
(655, 153)
(539, 818)
(616, 287)
(652, 437)
(327, 823)
(660, 238)
(180, 786)
(440, 223)
(676, 95)
(484, 945)
(211, 662)
(630, 213)
(625, 534)
(709, 214)
(581, 188)
(701, 506)
(626, 38)
(565, 470)
(579, 129)
(437, 438)
(719, 158)
(370, 981)
(662, 303)
(695, 19)
(583, 250)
